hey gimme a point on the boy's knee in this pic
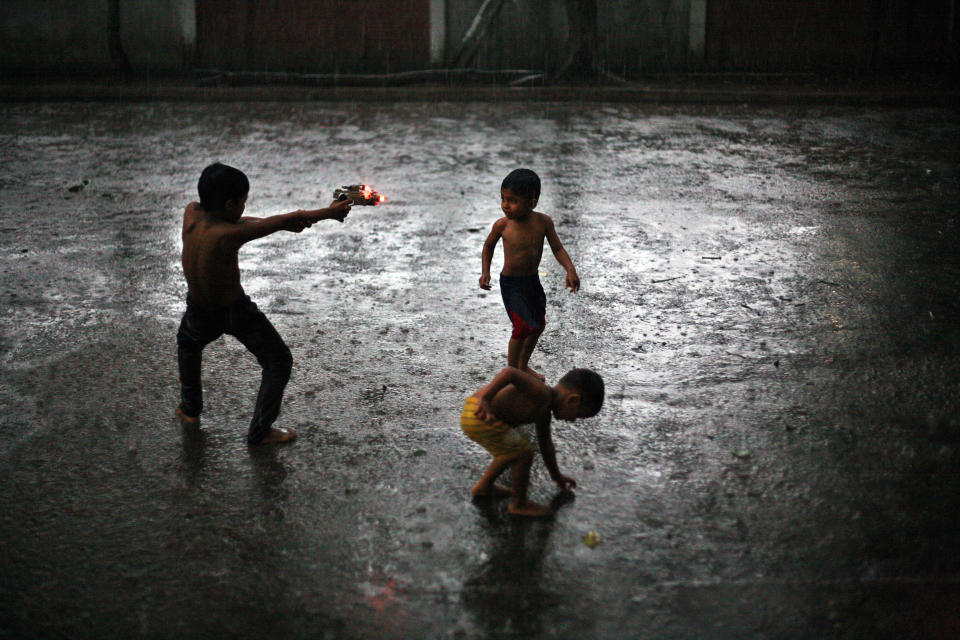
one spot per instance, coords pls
(524, 458)
(286, 359)
(527, 332)
(185, 341)
(280, 362)
(536, 330)
(510, 459)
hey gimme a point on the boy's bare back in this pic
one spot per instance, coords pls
(210, 258)
(516, 406)
(522, 400)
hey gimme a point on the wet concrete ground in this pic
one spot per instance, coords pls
(770, 295)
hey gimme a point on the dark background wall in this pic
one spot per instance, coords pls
(330, 36)
(54, 36)
(634, 37)
(831, 35)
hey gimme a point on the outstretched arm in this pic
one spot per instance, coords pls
(545, 440)
(573, 280)
(249, 228)
(487, 256)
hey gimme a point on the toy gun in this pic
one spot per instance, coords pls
(362, 194)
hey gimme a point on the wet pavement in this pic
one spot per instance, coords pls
(770, 294)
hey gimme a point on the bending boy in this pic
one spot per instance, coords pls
(213, 232)
(514, 398)
(523, 231)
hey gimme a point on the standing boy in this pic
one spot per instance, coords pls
(213, 232)
(523, 231)
(512, 398)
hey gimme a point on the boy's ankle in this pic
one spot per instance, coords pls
(185, 418)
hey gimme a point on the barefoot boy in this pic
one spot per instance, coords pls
(213, 232)
(523, 231)
(513, 398)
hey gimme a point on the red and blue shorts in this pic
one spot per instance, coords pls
(525, 302)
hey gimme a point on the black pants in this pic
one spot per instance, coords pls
(242, 320)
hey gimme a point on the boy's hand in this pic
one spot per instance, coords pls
(573, 281)
(485, 281)
(566, 483)
(483, 411)
(339, 209)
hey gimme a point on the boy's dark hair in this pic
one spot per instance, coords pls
(219, 183)
(589, 385)
(523, 182)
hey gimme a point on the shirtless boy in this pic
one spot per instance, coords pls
(213, 232)
(514, 398)
(523, 231)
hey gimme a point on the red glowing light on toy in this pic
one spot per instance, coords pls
(359, 194)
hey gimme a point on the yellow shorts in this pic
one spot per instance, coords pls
(499, 438)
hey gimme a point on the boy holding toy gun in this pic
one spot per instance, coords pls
(213, 232)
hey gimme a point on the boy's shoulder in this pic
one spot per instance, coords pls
(541, 222)
(194, 215)
(535, 218)
(195, 212)
(543, 218)
(198, 222)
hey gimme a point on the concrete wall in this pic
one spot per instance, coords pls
(50, 35)
(644, 37)
(74, 37)
(161, 35)
(635, 36)
(831, 36)
(524, 35)
(313, 36)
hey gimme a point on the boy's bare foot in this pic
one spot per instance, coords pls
(530, 509)
(279, 435)
(496, 491)
(187, 421)
(536, 374)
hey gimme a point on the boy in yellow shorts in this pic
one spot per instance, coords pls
(513, 398)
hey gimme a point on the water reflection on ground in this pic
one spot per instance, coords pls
(770, 296)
